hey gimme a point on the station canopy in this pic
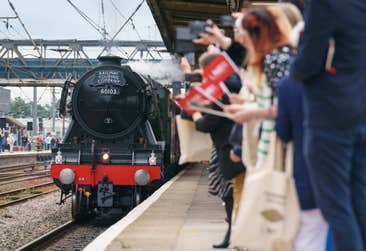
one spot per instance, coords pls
(170, 14)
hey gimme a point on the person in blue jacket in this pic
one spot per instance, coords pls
(335, 114)
(313, 230)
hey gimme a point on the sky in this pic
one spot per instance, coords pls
(57, 19)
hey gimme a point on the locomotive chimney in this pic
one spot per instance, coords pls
(110, 60)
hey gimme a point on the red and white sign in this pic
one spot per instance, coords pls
(211, 89)
(192, 96)
(219, 69)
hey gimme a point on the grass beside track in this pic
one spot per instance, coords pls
(18, 195)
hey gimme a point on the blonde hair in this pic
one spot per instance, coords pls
(206, 58)
(292, 13)
(282, 20)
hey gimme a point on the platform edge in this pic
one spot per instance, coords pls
(104, 239)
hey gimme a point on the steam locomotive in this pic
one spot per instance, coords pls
(120, 141)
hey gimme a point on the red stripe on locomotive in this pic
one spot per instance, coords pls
(118, 175)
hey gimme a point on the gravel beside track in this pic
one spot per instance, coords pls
(21, 223)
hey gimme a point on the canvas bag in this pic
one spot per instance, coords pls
(195, 146)
(269, 212)
(250, 143)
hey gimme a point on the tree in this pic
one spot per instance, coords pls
(43, 112)
(20, 109)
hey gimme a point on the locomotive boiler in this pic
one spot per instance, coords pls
(119, 141)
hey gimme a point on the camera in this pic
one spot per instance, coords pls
(193, 77)
(185, 35)
(227, 21)
(198, 27)
(183, 41)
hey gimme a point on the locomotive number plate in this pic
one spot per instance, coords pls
(109, 91)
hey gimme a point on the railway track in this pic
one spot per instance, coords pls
(23, 172)
(69, 236)
(26, 178)
(48, 237)
(19, 195)
(22, 166)
(23, 175)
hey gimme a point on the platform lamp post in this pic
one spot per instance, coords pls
(53, 109)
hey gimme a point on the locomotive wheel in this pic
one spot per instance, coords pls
(79, 212)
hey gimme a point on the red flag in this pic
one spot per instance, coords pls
(219, 69)
(192, 96)
(211, 89)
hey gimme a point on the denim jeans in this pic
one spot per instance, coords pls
(337, 165)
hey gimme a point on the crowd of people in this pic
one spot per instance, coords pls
(305, 78)
(9, 140)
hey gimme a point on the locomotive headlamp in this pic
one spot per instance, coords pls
(58, 158)
(142, 177)
(67, 176)
(105, 156)
(152, 159)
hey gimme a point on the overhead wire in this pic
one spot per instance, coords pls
(132, 23)
(29, 37)
(117, 9)
(124, 17)
(23, 25)
(87, 18)
(40, 97)
(8, 25)
(126, 22)
(103, 19)
(96, 26)
(24, 94)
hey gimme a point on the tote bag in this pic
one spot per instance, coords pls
(250, 143)
(195, 146)
(269, 213)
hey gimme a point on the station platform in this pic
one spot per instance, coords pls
(180, 216)
(8, 159)
(23, 154)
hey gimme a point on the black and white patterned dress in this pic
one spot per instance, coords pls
(277, 65)
(217, 184)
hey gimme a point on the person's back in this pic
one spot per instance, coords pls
(289, 127)
(10, 139)
(334, 99)
(335, 114)
(53, 142)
